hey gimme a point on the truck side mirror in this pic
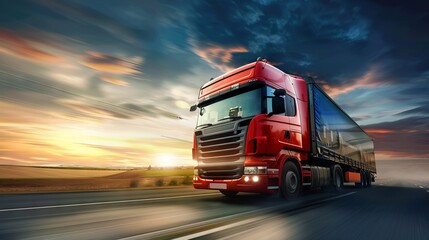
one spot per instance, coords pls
(279, 92)
(278, 105)
(193, 108)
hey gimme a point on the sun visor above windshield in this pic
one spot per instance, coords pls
(226, 80)
(254, 71)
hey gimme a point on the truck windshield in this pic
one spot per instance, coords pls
(243, 105)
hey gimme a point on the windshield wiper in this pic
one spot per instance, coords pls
(229, 118)
(205, 125)
(222, 119)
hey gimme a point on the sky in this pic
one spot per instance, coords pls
(110, 83)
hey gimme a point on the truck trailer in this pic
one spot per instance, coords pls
(262, 130)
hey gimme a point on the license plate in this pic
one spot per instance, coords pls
(217, 185)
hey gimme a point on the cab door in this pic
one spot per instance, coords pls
(286, 127)
(276, 127)
(294, 136)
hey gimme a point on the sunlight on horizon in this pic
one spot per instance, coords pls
(166, 160)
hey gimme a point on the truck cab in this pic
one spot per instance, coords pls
(239, 137)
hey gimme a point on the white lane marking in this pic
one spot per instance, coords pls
(421, 187)
(218, 229)
(236, 234)
(215, 220)
(427, 191)
(107, 202)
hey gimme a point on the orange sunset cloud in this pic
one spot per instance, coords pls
(20, 47)
(112, 64)
(368, 80)
(114, 81)
(218, 56)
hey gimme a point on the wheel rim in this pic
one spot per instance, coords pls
(365, 180)
(338, 180)
(291, 181)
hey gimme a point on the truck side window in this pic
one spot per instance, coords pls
(269, 93)
(290, 106)
(289, 102)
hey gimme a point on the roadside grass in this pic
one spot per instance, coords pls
(25, 172)
(80, 168)
(168, 172)
(131, 179)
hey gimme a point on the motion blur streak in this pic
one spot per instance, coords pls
(394, 208)
(102, 203)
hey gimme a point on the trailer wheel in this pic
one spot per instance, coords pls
(291, 181)
(338, 180)
(365, 179)
(369, 178)
(228, 193)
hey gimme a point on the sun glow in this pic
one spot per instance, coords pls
(166, 160)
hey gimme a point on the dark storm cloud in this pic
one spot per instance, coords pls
(360, 118)
(89, 17)
(423, 110)
(407, 137)
(402, 26)
(310, 37)
(418, 123)
(415, 90)
(336, 40)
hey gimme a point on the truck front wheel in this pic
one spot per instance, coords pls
(229, 193)
(291, 181)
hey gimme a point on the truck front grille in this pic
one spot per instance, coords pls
(222, 172)
(221, 150)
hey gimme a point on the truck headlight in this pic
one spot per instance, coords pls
(255, 178)
(255, 170)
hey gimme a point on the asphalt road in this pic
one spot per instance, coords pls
(391, 209)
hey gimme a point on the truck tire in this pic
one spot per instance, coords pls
(291, 181)
(337, 178)
(369, 177)
(228, 193)
(365, 179)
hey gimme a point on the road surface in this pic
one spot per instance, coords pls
(388, 210)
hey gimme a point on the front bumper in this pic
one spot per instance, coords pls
(239, 185)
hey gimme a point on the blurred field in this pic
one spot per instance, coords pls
(36, 179)
(19, 172)
(169, 172)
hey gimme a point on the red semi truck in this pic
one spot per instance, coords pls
(262, 130)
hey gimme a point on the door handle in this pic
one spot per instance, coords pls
(287, 134)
